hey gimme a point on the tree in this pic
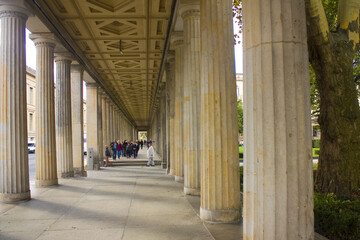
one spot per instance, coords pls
(333, 40)
(240, 114)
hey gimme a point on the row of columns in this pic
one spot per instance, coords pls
(59, 118)
(201, 117)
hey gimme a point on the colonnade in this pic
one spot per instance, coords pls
(201, 117)
(59, 119)
(194, 127)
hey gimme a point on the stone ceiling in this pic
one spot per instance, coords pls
(98, 26)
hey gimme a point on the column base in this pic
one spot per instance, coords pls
(220, 216)
(14, 197)
(44, 183)
(179, 179)
(172, 172)
(79, 172)
(66, 174)
(192, 191)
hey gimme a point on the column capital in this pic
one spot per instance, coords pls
(92, 85)
(77, 68)
(11, 8)
(43, 39)
(177, 39)
(190, 9)
(170, 57)
(63, 57)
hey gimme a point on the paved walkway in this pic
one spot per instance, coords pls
(125, 203)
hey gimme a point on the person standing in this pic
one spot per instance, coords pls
(129, 149)
(141, 143)
(124, 145)
(119, 149)
(107, 155)
(150, 155)
(114, 149)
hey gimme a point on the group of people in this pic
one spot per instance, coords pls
(125, 149)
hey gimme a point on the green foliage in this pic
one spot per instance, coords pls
(338, 219)
(240, 114)
(316, 152)
(241, 152)
(316, 143)
(314, 94)
(331, 8)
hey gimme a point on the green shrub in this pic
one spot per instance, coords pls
(316, 143)
(337, 219)
(316, 152)
(241, 152)
(241, 169)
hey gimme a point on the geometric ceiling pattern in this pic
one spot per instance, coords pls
(99, 27)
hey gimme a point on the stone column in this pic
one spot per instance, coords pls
(108, 122)
(163, 128)
(178, 44)
(45, 155)
(103, 120)
(220, 181)
(278, 185)
(191, 15)
(64, 151)
(111, 124)
(93, 119)
(77, 119)
(14, 169)
(101, 148)
(170, 74)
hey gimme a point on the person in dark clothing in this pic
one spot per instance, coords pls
(114, 149)
(124, 145)
(141, 143)
(107, 155)
(128, 150)
(135, 148)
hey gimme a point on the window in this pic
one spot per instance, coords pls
(31, 90)
(30, 122)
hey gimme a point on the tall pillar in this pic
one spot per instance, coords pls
(163, 127)
(93, 122)
(170, 75)
(191, 15)
(278, 203)
(45, 155)
(111, 125)
(220, 180)
(108, 122)
(103, 120)
(77, 119)
(178, 44)
(14, 168)
(101, 148)
(64, 151)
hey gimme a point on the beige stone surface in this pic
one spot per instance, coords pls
(278, 199)
(14, 175)
(45, 155)
(190, 12)
(63, 121)
(220, 182)
(114, 203)
(77, 119)
(178, 44)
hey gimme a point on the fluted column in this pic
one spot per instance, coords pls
(14, 169)
(178, 44)
(64, 151)
(77, 119)
(103, 120)
(99, 129)
(220, 180)
(45, 155)
(278, 185)
(170, 75)
(191, 15)
(93, 123)
(108, 122)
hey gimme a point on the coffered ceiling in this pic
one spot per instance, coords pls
(98, 27)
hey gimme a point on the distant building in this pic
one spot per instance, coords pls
(240, 86)
(31, 104)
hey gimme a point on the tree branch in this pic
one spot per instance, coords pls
(318, 26)
(348, 19)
